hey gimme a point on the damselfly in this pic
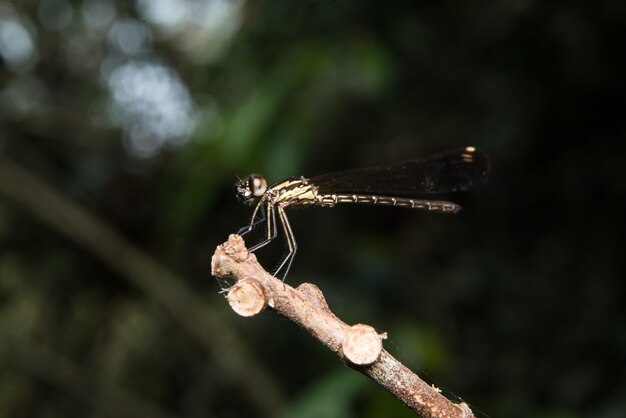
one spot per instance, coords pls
(397, 184)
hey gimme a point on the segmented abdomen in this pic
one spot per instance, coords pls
(429, 205)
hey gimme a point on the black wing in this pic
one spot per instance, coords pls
(449, 171)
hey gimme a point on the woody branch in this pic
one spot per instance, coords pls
(359, 346)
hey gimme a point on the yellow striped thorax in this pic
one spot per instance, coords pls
(293, 191)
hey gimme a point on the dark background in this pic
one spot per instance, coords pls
(123, 126)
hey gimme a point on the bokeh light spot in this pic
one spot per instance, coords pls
(98, 14)
(17, 48)
(129, 36)
(55, 14)
(152, 105)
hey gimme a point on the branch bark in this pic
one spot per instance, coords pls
(359, 346)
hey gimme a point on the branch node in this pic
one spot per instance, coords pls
(314, 295)
(235, 247)
(247, 297)
(362, 345)
(234, 250)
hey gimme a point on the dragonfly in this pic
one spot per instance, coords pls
(400, 184)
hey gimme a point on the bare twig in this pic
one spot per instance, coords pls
(359, 346)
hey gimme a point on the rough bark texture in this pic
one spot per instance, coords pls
(307, 307)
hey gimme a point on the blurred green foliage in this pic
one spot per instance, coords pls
(140, 116)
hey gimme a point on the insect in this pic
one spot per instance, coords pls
(400, 184)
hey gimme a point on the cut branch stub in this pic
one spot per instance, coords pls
(362, 345)
(247, 297)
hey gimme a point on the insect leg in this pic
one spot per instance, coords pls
(291, 243)
(271, 228)
(243, 231)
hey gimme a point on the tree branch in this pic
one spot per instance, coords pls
(359, 346)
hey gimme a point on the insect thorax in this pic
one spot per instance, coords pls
(293, 192)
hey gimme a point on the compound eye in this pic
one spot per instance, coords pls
(257, 185)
